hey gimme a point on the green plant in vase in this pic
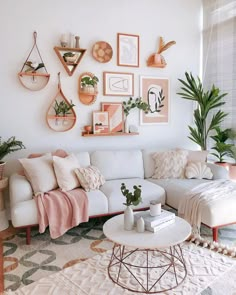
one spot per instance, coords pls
(206, 101)
(63, 109)
(132, 103)
(132, 198)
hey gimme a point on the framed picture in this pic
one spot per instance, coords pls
(100, 122)
(116, 115)
(155, 92)
(127, 50)
(118, 84)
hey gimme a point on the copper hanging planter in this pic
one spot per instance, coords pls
(34, 75)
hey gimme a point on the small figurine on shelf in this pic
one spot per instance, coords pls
(77, 42)
(64, 42)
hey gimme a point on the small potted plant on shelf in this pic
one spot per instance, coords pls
(222, 148)
(132, 198)
(62, 109)
(6, 147)
(89, 84)
(70, 57)
(132, 104)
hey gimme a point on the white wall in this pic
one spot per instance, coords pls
(22, 112)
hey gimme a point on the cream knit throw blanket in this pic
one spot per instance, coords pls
(190, 207)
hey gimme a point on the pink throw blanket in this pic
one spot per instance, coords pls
(61, 210)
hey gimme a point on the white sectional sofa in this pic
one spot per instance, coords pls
(133, 167)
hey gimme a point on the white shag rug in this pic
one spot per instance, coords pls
(90, 277)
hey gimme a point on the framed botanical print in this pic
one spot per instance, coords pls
(116, 115)
(100, 122)
(127, 50)
(155, 92)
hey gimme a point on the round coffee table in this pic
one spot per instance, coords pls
(147, 262)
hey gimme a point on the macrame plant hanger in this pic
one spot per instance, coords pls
(56, 119)
(33, 74)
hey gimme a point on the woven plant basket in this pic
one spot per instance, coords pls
(2, 165)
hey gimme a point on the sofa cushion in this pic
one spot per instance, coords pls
(198, 170)
(97, 203)
(65, 174)
(119, 164)
(170, 164)
(40, 173)
(116, 199)
(84, 158)
(89, 177)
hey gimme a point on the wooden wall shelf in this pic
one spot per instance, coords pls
(85, 134)
(69, 66)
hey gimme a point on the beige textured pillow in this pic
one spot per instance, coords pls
(170, 164)
(198, 170)
(195, 156)
(65, 174)
(40, 173)
(90, 178)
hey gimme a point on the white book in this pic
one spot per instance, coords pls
(156, 228)
(154, 220)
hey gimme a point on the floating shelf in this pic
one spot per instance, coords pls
(70, 66)
(85, 134)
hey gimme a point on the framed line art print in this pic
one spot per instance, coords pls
(100, 122)
(116, 115)
(118, 84)
(127, 50)
(155, 92)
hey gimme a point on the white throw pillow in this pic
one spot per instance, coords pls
(198, 170)
(170, 164)
(64, 169)
(90, 178)
(40, 173)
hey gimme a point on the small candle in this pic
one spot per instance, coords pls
(63, 40)
(155, 208)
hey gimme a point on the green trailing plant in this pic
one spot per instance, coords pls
(9, 146)
(222, 148)
(89, 81)
(206, 101)
(63, 108)
(33, 67)
(132, 198)
(135, 103)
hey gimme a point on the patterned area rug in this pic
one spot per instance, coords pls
(24, 264)
(90, 277)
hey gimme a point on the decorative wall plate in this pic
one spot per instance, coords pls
(102, 51)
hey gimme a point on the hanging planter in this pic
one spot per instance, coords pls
(33, 75)
(61, 115)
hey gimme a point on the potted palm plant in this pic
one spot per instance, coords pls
(7, 147)
(207, 101)
(221, 148)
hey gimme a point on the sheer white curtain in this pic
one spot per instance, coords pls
(219, 52)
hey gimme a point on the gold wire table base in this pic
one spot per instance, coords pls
(157, 271)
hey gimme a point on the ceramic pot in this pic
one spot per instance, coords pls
(232, 171)
(2, 166)
(128, 218)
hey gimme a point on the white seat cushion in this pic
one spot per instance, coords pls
(97, 203)
(116, 199)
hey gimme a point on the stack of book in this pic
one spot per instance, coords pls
(155, 223)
